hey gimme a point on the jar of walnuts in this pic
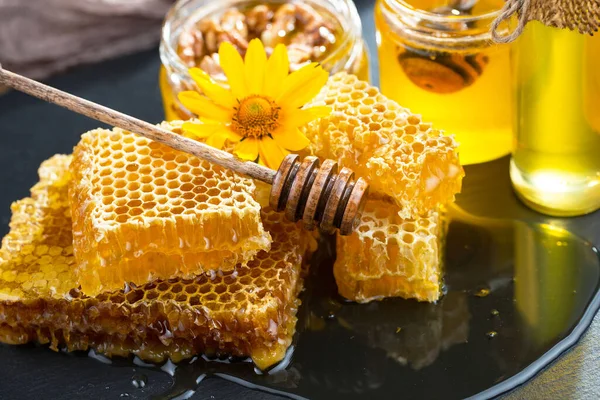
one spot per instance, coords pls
(324, 31)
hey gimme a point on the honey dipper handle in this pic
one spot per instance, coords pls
(137, 126)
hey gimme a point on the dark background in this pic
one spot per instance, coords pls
(32, 131)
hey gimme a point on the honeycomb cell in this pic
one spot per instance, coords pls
(39, 244)
(217, 312)
(149, 236)
(388, 256)
(408, 161)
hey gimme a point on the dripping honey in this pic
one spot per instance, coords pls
(436, 58)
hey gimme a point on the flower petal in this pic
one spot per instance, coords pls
(297, 117)
(226, 132)
(216, 140)
(230, 135)
(211, 89)
(271, 154)
(233, 66)
(199, 130)
(254, 67)
(208, 120)
(278, 67)
(247, 149)
(291, 139)
(303, 85)
(203, 107)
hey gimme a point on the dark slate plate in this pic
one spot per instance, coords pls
(518, 294)
(543, 280)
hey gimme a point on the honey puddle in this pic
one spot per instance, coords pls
(537, 279)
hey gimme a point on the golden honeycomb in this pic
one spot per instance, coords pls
(36, 258)
(248, 311)
(143, 211)
(388, 256)
(401, 156)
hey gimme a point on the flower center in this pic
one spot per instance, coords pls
(255, 116)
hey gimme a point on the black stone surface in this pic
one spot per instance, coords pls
(32, 131)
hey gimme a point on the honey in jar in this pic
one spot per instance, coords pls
(437, 59)
(324, 31)
(555, 167)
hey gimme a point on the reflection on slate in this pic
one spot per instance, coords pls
(411, 334)
(513, 291)
(404, 332)
(545, 296)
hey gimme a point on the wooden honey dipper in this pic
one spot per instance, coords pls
(307, 190)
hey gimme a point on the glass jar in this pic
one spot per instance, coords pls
(555, 168)
(437, 59)
(348, 53)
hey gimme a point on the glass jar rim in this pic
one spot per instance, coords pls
(435, 31)
(404, 7)
(349, 21)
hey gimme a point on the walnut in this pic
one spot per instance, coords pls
(233, 23)
(308, 16)
(234, 20)
(191, 46)
(307, 34)
(236, 39)
(299, 53)
(210, 28)
(258, 19)
(231, 27)
(284, 22)
(317, 30)
(210, 65)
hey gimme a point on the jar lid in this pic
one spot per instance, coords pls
(580, 15)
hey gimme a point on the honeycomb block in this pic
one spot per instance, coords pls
(388, 256)
(36, 257)
(143, 211)
(249, 311)
(401, 157)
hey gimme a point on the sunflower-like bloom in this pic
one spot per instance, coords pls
(262, 109)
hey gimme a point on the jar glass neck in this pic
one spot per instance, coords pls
(351, 43)
(449, 30)
(186, 11)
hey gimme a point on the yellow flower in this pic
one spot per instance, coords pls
(262, 110)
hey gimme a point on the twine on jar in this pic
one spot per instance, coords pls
(521, 7)
(580, 15)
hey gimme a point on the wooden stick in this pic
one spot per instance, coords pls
(139, 127)
(305, 190)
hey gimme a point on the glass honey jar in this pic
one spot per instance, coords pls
(437, 59)
(555, 168)
(324, 31)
